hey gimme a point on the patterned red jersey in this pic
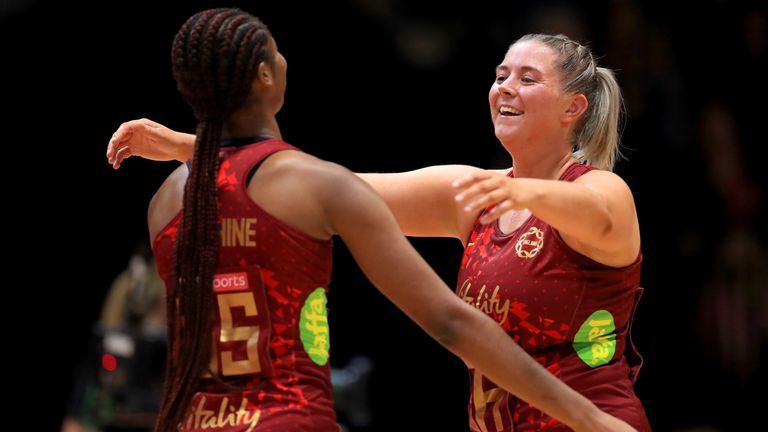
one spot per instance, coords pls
(571, 313)
(270, 332)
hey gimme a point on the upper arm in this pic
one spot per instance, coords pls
(167, 201)
(621, 243)
(423, 201)
(361, 218)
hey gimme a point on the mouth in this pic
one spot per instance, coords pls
(508, 111)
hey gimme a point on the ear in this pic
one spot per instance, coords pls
(265, 76)
(575, 108)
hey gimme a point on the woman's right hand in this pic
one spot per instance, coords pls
(149, 140)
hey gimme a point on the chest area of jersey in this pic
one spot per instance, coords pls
(525, 281)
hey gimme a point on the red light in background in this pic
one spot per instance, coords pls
(109, 362)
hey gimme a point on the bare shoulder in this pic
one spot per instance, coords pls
(600, 176)
(606, 181)
(167, 201)
(306, 171)
(298, 161)
(331, 186)
(305, 192)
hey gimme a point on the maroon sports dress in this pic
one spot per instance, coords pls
(270, 322)
(571, 313)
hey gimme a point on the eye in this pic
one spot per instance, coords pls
(527, 79)
(500, 79)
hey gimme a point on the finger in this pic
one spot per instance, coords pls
(497, 211)
(466, 195)
(121, 154)
(484, 200)
(471, 187)
(477, 204)
(490, 216)
(481, 187)
(114, 160)
(469, 179)
(122, 133)
(111, 147)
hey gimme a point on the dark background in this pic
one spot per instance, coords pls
(391, 85)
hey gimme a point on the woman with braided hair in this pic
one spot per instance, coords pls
(243, 243)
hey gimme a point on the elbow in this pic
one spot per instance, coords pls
(446, 336)
(447, 330)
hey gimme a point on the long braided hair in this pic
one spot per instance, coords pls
(215, 56)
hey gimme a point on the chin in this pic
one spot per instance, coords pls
(504, 133)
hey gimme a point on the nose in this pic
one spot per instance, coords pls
(508, 87)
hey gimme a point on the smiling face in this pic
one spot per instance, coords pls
(526, 100)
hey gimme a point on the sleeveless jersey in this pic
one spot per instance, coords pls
(270, 333)
(571, 313)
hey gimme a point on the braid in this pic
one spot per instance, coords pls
(215, 56)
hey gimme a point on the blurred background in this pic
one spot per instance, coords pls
(392, 85)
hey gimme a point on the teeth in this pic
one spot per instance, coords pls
(504, 109)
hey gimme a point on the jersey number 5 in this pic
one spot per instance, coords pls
(243, 334)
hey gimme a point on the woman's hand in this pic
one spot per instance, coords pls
(482, 189)
(146, 139)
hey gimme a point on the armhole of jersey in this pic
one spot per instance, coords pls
(253, 170)
(160, 233)
(257, 165)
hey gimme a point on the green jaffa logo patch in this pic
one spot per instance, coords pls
(595, 342)
(313, 327)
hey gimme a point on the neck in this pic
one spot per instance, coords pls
(246, 124)
(549, 166)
